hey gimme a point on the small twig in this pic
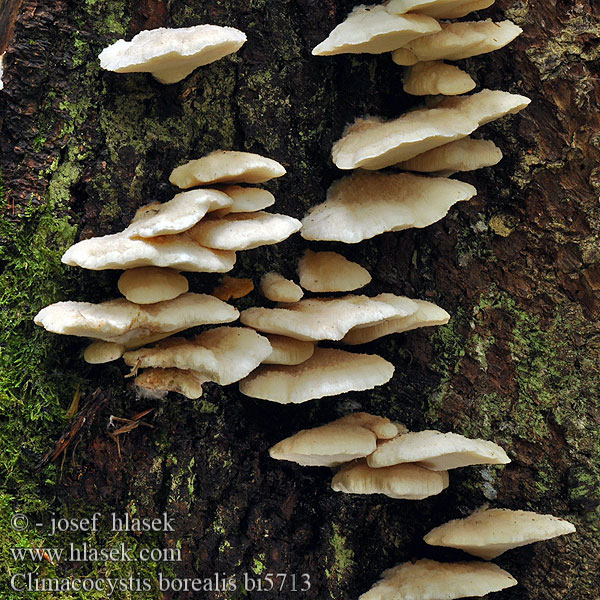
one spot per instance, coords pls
(86, 415)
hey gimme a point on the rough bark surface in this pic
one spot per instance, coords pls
(518, 268)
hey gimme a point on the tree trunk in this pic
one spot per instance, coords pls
(518, 268)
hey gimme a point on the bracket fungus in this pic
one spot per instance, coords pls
(330, 272)
(426, 315)
(428, 580)
(119, 251)
(228, 166)
(148, 285)
(246, 199)
(327, 372)
(223, 355)
(348, 438)
(466, 154)
(440, 9)
(179, 214)
(277, 288)
(244, 231)
(491, 532)
(124, 322)
(402, 482)
(364, 205)
(101, 352)
(326, 318)
(436, 77)
(373, 30)
(157, 383)
(377, 144)
(171, 54)
(459, 40)
(437, 451)
(287, 350)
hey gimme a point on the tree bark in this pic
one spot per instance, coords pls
(518, 268)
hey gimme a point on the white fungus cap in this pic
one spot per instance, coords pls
(426, 315)
(157, 383)
(463, 155)
(375, 144)
(119, 251)
(124, 322)
(334, 443)
(244, 231)
(460, 40)
(171, 54)
(100, 352)
(277, 288)
(431, 580)
(373, 30)
(326, 318)
(327, 372)
(331, 272)
(489, 533)
(287, 351)
(437, 451)
(246, 199)
(436, 77)
(364, 205)
(223, 354)
(147, 285)
(177, 215)
(440, 9)
(403, 482)
(226, 166)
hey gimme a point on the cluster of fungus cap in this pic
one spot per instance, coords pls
(386, 458)
(353, 436)
(172, 54)
(429, 579)
(223, 355)
(328, 372)
(197, 230)
(364, 205)
(330, 272)
(488, 533)
(375, 144)
(373, 30)
(457, 41)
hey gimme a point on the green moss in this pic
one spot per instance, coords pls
(542, 359)
(258, 564)
(342, 562)
(110, 16)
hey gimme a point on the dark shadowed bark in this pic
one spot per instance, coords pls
(518, 267)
